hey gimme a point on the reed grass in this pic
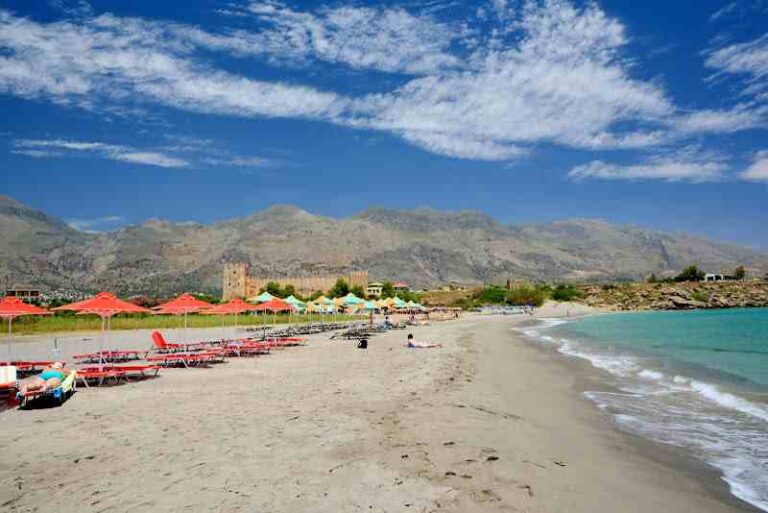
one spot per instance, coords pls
(69, 322)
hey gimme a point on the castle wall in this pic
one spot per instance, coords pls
(237, 282)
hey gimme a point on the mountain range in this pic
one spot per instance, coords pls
(424, 247)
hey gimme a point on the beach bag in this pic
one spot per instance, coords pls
(363, 344)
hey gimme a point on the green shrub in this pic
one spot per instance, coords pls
(565, 293)
(690, 273)
(526, 295)
(701, 296)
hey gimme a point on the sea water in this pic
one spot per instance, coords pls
(696, 379)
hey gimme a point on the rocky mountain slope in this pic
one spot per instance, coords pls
(423, 247)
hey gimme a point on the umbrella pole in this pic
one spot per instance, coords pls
(186, 333)
(10, 339)
(101, 343)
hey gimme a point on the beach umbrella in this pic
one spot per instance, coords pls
(105, 305)
(296, 303)
(185, 304)
(275, 305)
(351, 299)
(233, 307)
(12, 307)
(263, 297)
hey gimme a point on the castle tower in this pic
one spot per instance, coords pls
(358, 278)
(234, 280)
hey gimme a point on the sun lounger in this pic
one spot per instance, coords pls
(245, 348)
(56, 395)
(185, 359)
(160, 345)
(99, 376)
(9, 385)
(28, 367)
(119, 372)
(110, 356)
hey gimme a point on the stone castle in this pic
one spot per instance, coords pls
(237, 281)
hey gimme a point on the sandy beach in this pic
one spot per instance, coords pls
(490, 422)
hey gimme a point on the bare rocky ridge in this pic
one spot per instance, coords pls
(423, 247)
(677, 296)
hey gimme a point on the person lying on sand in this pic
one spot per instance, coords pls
(412, 344)
(50, 378)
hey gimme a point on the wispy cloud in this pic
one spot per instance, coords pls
(687, 164)
(55, 148)
(380, 38)
(550, 73)
(758, 170)
(748, 60)
(96, 225)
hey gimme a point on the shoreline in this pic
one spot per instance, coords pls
(677, 458)
(489, 423)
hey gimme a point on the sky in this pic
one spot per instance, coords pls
(646, 113)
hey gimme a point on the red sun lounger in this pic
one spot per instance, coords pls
(97, 377)
(110, 356)
(160, 345)
(126, 371)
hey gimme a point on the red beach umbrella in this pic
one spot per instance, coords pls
(184, 304)
(12, 307)
(274, 306)
(105, 305)
(235, 306)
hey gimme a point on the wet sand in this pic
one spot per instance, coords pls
(489, 423)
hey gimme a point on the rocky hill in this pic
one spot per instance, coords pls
(677, 296)
(423, 247)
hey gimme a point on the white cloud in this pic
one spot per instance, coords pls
(671, 171)
(720, 121)
(59, 148)
(758, 170)
(553, 73)
(749, 60)
(150, 158)
(561, 81)
(96, 225)
(690, 164)
(386, 39)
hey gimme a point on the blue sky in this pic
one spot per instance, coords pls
(650, 113)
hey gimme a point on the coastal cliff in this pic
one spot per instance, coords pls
(676, 296)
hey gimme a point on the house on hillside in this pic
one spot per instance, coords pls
(718, 277)
(374, 289)
(400, 286)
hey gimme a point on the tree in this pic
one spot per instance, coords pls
(289, 290)
(358, 291)
(740, 273)
(387, 289)
(652, 278)
(526, 295)
(690, 273)
(316, 294)
(273, 288)
(565, 293)
(340, 289)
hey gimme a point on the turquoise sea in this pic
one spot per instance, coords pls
(695, 379)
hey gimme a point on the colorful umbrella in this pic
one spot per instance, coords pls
(12, 307)
(351, 299)
(105, 305)
(275, 305)
(235, 306)
(184, 304)
(263, 297)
